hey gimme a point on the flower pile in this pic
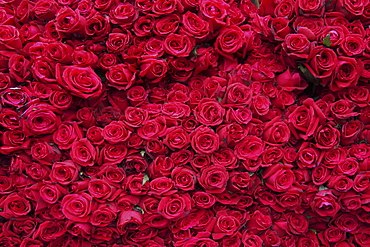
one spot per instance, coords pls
(184, 123)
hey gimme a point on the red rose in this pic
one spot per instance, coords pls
(43, 230)
(83, 153)
(78, 207)
(214, 179)
(296, 46)
(251, 147)
(81, 81)
(14, 205)
(40, 119)
(64, 172)
(276, 132)
(230, 40)
(204, 140)
(178, 45)
(203, 199)
(347, 72)
(66, 134)
(327, 136)
(195, 26)
(103, 216)
(325, 204)
(225, 225)
(118, 41)
(259, 221)
(121, 76)
(184, 178)
(279, 177)
(10, 38)
(69, 21)
(175, 206)
(123, 14)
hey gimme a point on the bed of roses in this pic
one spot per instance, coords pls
(184, 123)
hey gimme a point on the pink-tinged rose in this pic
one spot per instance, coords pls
(78, 207)
(83, 82)
(83, 153)
(251, 147)
(291, 81)
(174, 207)
(214, 179)
(204, 140)
(279, 177)
(325, 204)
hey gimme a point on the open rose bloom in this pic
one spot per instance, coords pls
(185, 123)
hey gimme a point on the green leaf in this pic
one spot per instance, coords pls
(142, 153)
(327, 41)
(309, 216)
(219, 99)
(145, 179)
(363, 141)
(1, 209)
(322, 187)
(313, 230)
(308, 75)
(251, 173)
(256, 2)
(138, 209)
